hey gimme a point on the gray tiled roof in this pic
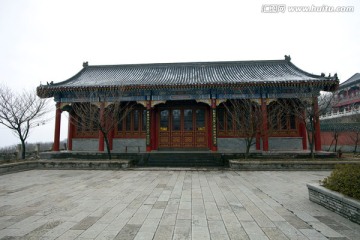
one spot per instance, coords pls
(187, 74)
(355, 78)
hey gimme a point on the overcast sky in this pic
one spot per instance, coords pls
(44, 41)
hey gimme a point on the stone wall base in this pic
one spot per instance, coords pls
(238, 145)
(336, 202)
(286, 165)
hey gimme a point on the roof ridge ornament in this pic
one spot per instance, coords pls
(287, 58)
(85, 64)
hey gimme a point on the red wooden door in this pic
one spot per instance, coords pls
(182, 127)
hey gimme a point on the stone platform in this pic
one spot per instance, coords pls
(190, 160)
(182, 158)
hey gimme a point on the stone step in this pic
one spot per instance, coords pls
(183, 160)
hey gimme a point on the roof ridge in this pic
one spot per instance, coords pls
(190, 63)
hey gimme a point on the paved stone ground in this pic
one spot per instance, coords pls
(74, 204)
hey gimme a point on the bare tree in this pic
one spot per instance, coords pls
(355, 136)
(333, 126)
(102, 116)
(246, 118)
(307, 110)
(335, 135)
(21, 112)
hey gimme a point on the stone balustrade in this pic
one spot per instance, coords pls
(345, 112)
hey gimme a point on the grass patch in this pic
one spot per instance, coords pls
(345, 179)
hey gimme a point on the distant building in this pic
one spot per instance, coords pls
(348, 94)
(182, 106)
(344, 119)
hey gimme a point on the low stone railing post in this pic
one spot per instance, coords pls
(18, 151)
(37, 149)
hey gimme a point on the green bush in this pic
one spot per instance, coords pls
(345, 179)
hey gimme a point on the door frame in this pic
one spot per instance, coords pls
(171, 105)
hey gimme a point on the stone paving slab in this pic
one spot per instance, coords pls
(168, 204)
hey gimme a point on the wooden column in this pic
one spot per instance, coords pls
(303, 132)
(149, 126)
(317, 125)
(209, 126)
(213, 129)
(265, 136)
(56, 146)
(70, 131)
(154, 129)
(102, 121)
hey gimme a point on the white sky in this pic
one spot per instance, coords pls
(44, 41)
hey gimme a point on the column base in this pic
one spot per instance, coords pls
(214, 148)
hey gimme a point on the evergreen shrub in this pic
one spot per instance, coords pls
(345, 179)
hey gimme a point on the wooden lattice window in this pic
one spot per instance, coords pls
(281, 119)
(132, 123)
(86, 121)
(235, 120)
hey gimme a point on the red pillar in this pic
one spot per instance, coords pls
(150, 127)
(101, 135)
(209, 125)
(265, 136)
(153, 129)
(303, 133)
(70, 131)
(317, 125)
(213, 146)
(56, 146)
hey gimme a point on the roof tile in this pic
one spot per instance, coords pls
(180, 74)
